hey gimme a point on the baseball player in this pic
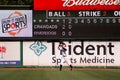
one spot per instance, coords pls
(62, 48)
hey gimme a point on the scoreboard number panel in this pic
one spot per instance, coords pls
(76, 24)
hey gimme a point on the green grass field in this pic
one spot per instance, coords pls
(59, 75)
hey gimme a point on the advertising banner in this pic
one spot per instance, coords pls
(87, 53)
(76, 4)
(10, 54)
(15, 23)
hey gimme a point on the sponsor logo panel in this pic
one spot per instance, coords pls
(86, 53)
(16, 23)
(10, 54)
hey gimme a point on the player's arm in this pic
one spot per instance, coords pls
(59, 47)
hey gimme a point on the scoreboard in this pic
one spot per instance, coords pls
(61, 20)
(88, 24)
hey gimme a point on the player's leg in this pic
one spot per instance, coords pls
(71, 67)
(61, 63)
(60, 67)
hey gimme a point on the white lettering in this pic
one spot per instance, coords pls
(70, 3)
(89, 13)
(117, 13)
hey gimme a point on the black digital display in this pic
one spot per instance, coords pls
(76, 24)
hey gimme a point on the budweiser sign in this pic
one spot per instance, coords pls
(77, 5)
(70, 3)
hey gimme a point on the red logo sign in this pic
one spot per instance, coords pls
(2, 49)
(77, 5)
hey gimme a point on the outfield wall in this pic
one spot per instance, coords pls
(79, 53)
